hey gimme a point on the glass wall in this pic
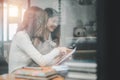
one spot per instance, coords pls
(78, 29)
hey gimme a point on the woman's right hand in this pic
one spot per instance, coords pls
(63, 50)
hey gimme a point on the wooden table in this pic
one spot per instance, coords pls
(11, 77)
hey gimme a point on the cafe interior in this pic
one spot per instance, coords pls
(77, 30)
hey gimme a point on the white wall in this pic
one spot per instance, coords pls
(45, 3)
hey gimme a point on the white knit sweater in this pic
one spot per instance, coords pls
(22, 52)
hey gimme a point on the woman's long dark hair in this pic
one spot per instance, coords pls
(51, 12)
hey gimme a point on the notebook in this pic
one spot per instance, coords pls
(36, 71)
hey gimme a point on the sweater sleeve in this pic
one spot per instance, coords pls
(24, 43)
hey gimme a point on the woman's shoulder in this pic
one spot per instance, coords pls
(21, 34)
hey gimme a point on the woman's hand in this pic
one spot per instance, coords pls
(63, 50)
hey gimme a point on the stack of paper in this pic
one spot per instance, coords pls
(81, 70)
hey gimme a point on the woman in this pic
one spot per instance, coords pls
(53, 24)
(45, 46)
(49, 44)
(23, 48)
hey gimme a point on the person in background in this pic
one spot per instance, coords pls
(53, 22)
(33, 31)
(54, 26)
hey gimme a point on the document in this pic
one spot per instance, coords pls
(60, 67)
(67, 56)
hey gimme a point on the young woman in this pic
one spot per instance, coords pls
(45, 46)
(49, 44)
(32, 31)
(53, 24)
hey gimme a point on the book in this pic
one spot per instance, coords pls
(66, 56)
(36, 71)
(72, 79)
(36, 78)
(81, 64)
(82, 69)
(82, 76)
(85, 55)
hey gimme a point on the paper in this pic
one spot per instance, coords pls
(60, 68)
(67, 56)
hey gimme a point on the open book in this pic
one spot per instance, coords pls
(66, 56)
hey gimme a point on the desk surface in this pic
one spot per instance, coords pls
(8, 77)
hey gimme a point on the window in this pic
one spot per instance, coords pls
(12, 30)
(12, 17)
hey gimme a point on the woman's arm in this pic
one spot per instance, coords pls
(25, 44)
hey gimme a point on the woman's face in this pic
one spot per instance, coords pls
(52, 23)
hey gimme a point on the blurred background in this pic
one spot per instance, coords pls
(77, 25)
